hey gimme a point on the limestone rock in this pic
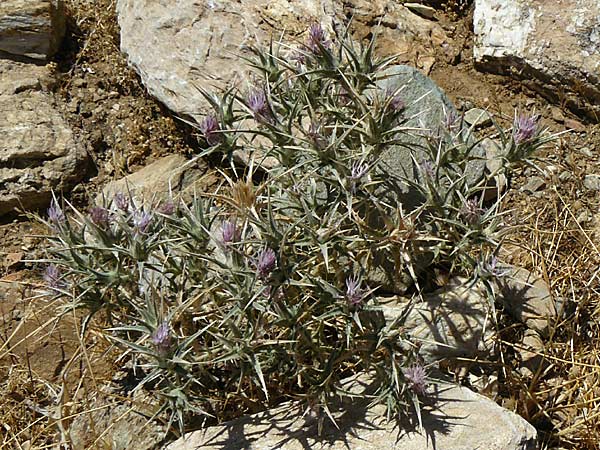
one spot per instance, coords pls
(459, 419)
(31, 28)
(38, 151)
(553, 46)
(180, 45)
(527, 298)
(166, 177)
(478, 117)
(452, 322)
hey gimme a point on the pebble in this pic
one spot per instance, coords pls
(534, 184)
(585, 151)
(592, 182)
(478, 117)
(565, 176)
(426, 11)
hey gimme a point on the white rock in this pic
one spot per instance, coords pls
(553, 46)
(458, 419)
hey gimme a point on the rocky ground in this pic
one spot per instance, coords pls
(48, 379)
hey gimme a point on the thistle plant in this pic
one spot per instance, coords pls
(263, 292)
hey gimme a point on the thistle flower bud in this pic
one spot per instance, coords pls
(265, 263)
(211, 130)
(417, 377)
(354, 293)
(395, 101)
(524, 128)
(162, 340)
(167, 208)
(229, 233)
(99, 216)
(55, 214)
(141, 221)
(257, 102)
(121, 201)
(317, 39)
(471, 211)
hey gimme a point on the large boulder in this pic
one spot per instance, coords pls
(181, 45)
(31, 28)
(38, 150)
(553, 46)
(458, 419)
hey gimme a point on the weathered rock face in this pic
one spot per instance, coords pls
(460, 419)
(178, 46)
(31, 28)
(38, 151)
(452, 322)
(553, 46)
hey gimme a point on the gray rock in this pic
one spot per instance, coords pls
(527, 298)
(169, 177)
(452, 322)
(38, 151)
(553, 46)
(458, 419)
(478, 117)
(534, 184)
(426, 107)
(592, 182)
(180, 45)
(31, 28)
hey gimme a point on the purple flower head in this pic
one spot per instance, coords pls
(121, 201)
(317, 39)
(257, 102)
(354, 293)
(471, 211)
(162, 340)
(524, 128)
(417, 377)
(167, 208)
(141, 221)
(99, 216)
(265, 262)
(229, 233)
(55, 214)
(210, 130)
(359, 170)
(52, 277)
(490, 268)
(396, 103)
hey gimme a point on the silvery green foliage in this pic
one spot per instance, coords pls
(262, 292)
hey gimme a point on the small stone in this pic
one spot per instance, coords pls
(534, 184)
(575, 125)
(478, 117)
(557, 114)
(585, 151)
(592, 182)
(565, 175)
(584, 217)
(423, 10)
